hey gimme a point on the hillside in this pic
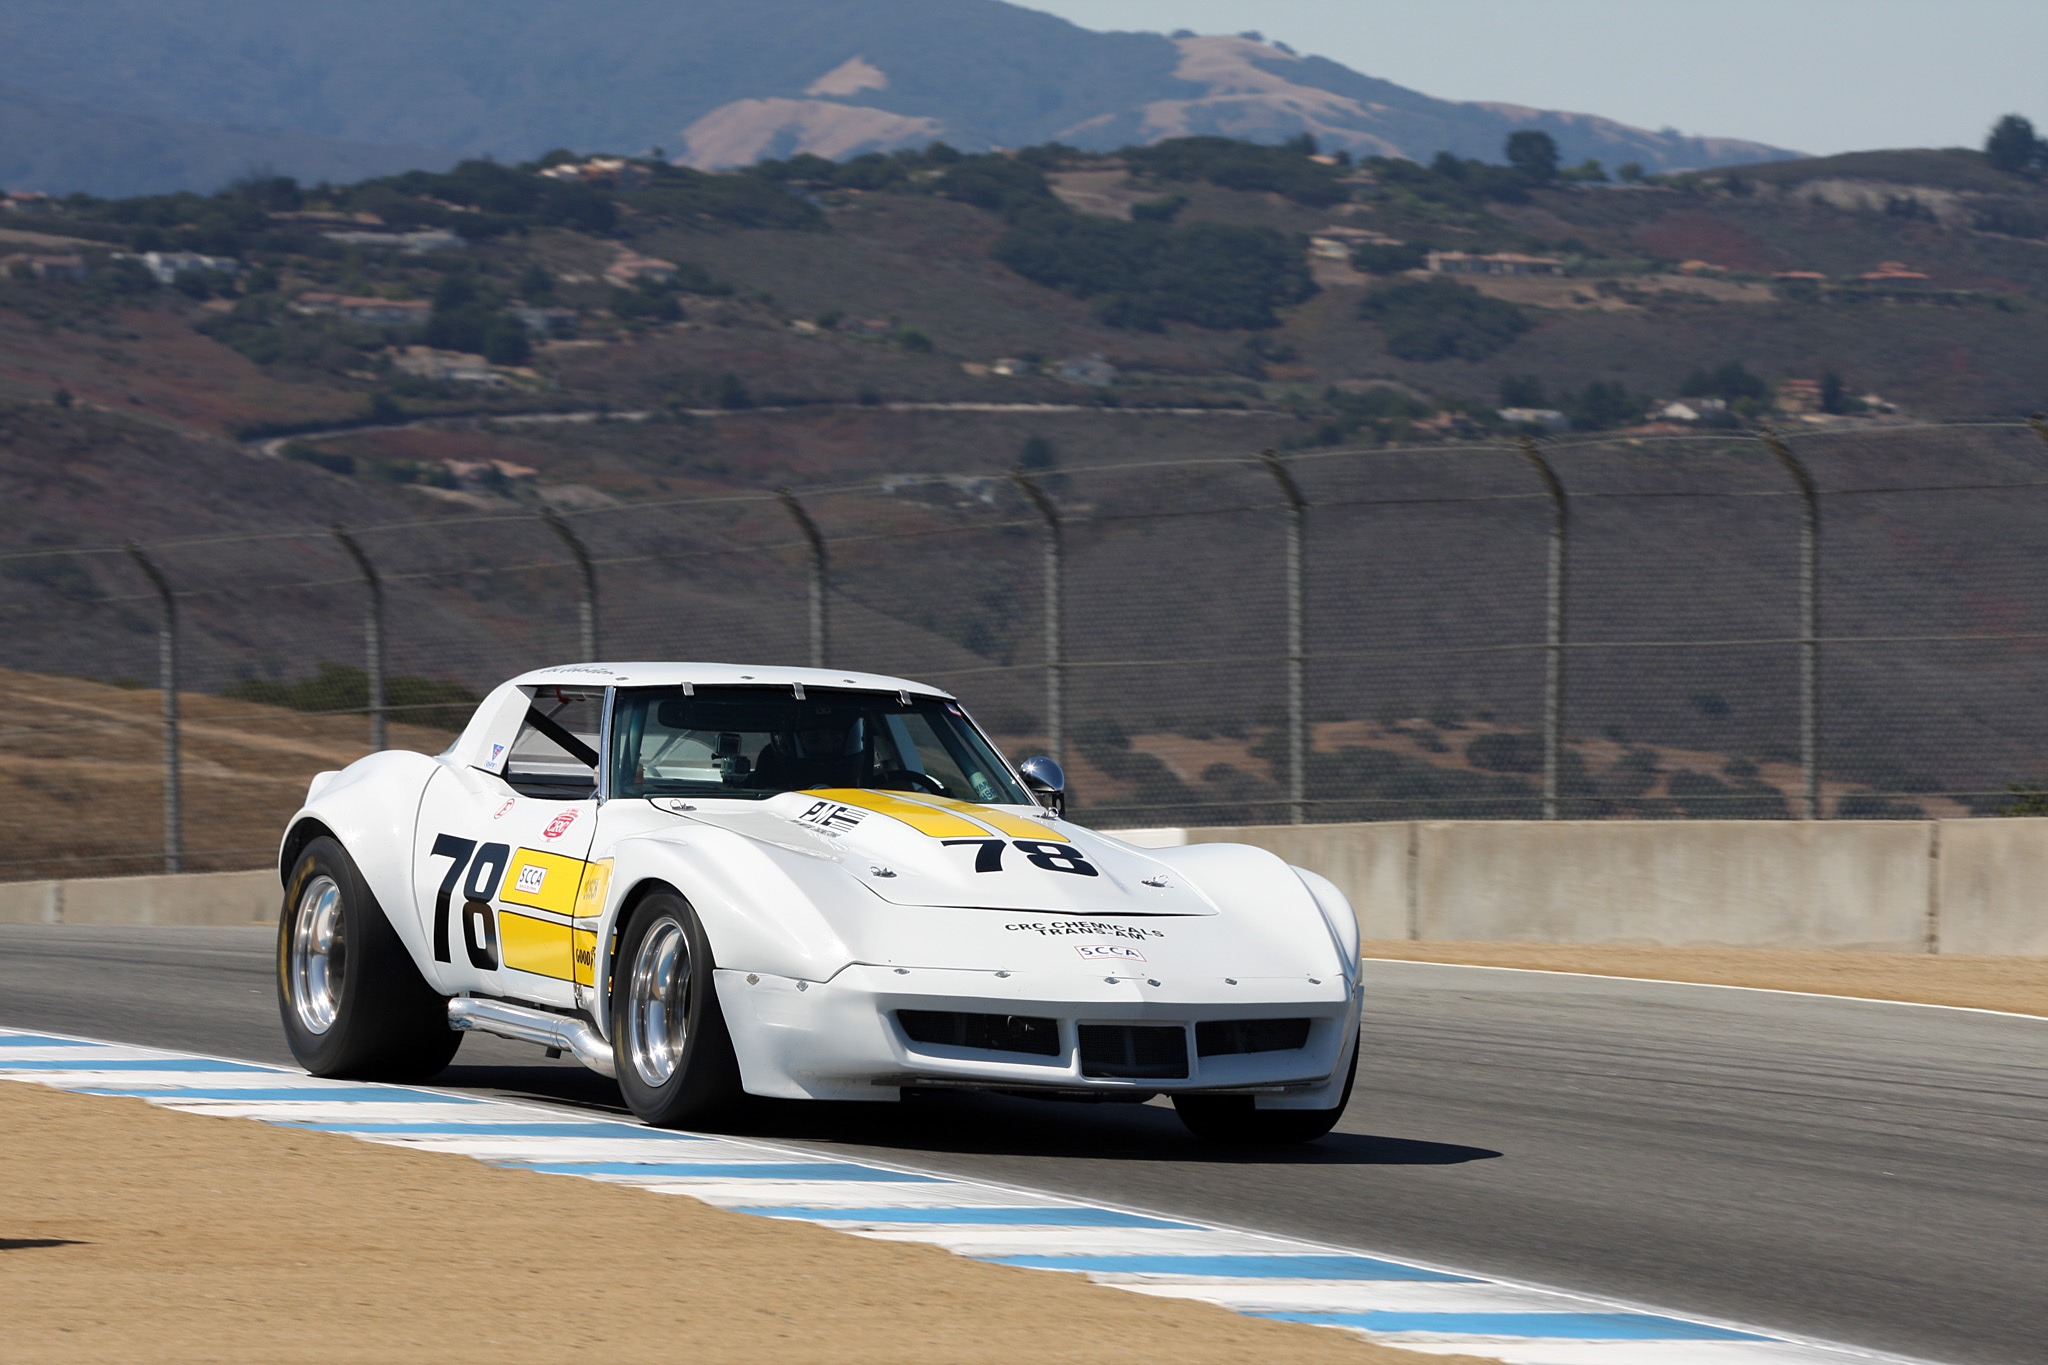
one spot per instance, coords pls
(889, 335)
(713, 84)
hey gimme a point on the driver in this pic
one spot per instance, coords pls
(826, 752)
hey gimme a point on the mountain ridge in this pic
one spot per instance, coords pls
(718, 85)
(60, 147)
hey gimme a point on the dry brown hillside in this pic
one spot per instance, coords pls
(81, 764)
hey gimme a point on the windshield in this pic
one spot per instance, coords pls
(753, 742)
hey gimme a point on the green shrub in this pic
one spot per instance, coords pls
(1389, 258)
(1436, 319)
(1233, 165)
(1504, 751)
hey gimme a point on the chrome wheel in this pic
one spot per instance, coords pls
(658, 1003)
(319, 955)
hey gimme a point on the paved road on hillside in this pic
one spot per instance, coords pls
(1868, 1173)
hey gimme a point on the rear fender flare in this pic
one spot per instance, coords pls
(371, 808)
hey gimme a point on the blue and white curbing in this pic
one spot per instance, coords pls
(1384, 1299)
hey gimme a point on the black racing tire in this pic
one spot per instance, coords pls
(1236, 1119)
(353, 1001)
(670, 1045)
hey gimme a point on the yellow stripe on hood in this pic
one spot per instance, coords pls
(1016, 826)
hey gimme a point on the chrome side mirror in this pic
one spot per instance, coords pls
(1044, 780)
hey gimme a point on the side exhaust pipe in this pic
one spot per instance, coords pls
(524, 1025)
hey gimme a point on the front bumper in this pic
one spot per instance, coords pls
(841, 1039)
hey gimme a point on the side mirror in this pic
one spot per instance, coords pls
(1044, 780)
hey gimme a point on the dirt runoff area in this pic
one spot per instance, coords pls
(129, 1232)
(2015, 984)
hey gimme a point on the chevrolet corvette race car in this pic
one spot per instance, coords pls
(710, 881)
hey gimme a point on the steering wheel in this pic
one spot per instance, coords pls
(902, 779)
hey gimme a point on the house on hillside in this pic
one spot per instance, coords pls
(1550, 419)
(1891, 272)
(452, 367)
(1494, 263)
(630, 268)
(1692, 409)
(1799, 395)
(1088, 369)
(411, 243)
(47, 267)
(27, 202)
(370, 312)
(547, 322)
(167, 266)
(615, 171)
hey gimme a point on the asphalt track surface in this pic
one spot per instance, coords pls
(1866, 1173)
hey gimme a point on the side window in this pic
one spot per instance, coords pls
(554, 755)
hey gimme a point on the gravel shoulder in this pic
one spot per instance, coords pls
(140, 1233)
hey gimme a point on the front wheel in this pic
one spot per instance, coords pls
(670, 1046)
(353, 1002)
(1236, 1118)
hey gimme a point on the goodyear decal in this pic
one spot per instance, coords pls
(542, 881)
(540, 946)
(597, 882)
(583, 956)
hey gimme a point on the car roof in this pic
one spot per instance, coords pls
(668, 674)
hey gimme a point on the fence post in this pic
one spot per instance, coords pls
(820, 623)
(167, 679)
(1809, 620)
(373, 637)
(1297, 703)
(1554, 627)
(586, 610)
(1055, 619)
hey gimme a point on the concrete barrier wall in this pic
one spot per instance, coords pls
(1901, 886)
(194, 898)
(1992, 886)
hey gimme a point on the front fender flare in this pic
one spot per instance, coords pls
(758, 904)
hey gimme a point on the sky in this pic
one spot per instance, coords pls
(1817, 76)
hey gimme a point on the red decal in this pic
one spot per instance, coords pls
(559, 826)
(509, 803)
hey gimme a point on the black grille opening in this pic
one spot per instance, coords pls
(1223, 1037)
(990, 1032)
(1134, 1051)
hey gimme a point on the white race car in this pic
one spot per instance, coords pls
(709, 880)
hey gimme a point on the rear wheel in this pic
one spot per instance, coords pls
(670, 1046)
(352, 1001)
(1236, 1118)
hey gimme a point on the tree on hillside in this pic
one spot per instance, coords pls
(2012, 146)
(1534, 154)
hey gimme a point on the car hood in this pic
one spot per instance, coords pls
(914, 849)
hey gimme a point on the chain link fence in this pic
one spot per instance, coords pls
(1848, 623)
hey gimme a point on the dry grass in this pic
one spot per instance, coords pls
(2015, 984)
(81, 766)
